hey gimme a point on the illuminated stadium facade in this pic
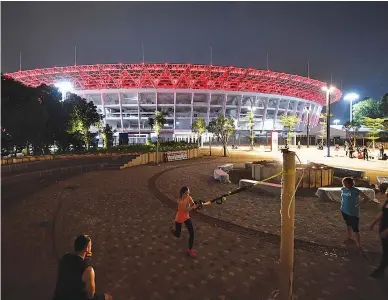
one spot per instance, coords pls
(128, 94)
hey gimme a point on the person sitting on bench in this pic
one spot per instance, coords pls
(75, 279)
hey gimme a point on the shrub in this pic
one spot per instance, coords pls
(136, 148)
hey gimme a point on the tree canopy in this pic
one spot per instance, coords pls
(37, 118)
(289, 123)
(250, 118)
(371, 109)
(383, 106)
(366, 108)
(157, 122)
(199, 127)
(223, 128)
(375, 126)
(82, 115)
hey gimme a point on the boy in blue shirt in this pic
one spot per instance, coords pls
(350, 209)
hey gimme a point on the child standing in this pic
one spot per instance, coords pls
(350, 209)
(382, 218)
(185, 205)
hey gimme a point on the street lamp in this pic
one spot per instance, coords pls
(64, 87)
(336, 122)
(328, 90)
(351, 97)
(307, 110)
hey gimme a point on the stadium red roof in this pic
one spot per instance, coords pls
(178, 76)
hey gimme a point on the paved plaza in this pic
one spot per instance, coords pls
(128, 214)
(372, 168)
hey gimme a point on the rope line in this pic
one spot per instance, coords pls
(222, 198)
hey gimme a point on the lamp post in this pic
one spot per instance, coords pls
(307, 109)
(328, 90)
(351, 97)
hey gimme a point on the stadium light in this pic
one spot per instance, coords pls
(351, 97)
(64, 87)
(328, 90)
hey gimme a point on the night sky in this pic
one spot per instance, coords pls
(348, 40)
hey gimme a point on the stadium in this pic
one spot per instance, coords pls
(129, 94)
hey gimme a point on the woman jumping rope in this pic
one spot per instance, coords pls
(185, 205)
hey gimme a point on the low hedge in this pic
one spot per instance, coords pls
(136, 148)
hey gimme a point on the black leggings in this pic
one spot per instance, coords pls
(366, 156)
(384, 259)
(190, 228)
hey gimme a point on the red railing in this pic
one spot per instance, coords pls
(178, 76)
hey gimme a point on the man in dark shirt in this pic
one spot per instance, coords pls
(382, 218)
(76, 278)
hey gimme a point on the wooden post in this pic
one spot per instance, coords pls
(287, 213)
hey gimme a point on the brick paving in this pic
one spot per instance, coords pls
(135, 257)
(261, 212)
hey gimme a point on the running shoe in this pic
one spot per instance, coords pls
(174, 232)
(192, 253)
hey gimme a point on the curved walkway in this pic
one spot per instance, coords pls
(135, 256)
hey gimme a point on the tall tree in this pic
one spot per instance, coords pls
(383, 106)
(289, 123)
(199, 127)
(366, 108)
(351, 129)
(250, 118)
(57, 121)
(82, 115)
(157, 124)
(23, 117)
(223, 128)
(107, 135)
(375, 126)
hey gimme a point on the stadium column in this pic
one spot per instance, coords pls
(287, 106)
(294, 111)
(265, 103)
(224, 104)
(103, 108)
(191, 115)
(315, 115)
(239, 104)
(208, 108)
(121, 110)
(275, 117)
(138, 110)
(174, 114)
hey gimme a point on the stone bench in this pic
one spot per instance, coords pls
(334, 193)
(345, 172)
(226, 167)
(221, 175)
(272, 189)
(382, 183)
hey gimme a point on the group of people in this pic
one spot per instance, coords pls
(76, 277)
(364, 151)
